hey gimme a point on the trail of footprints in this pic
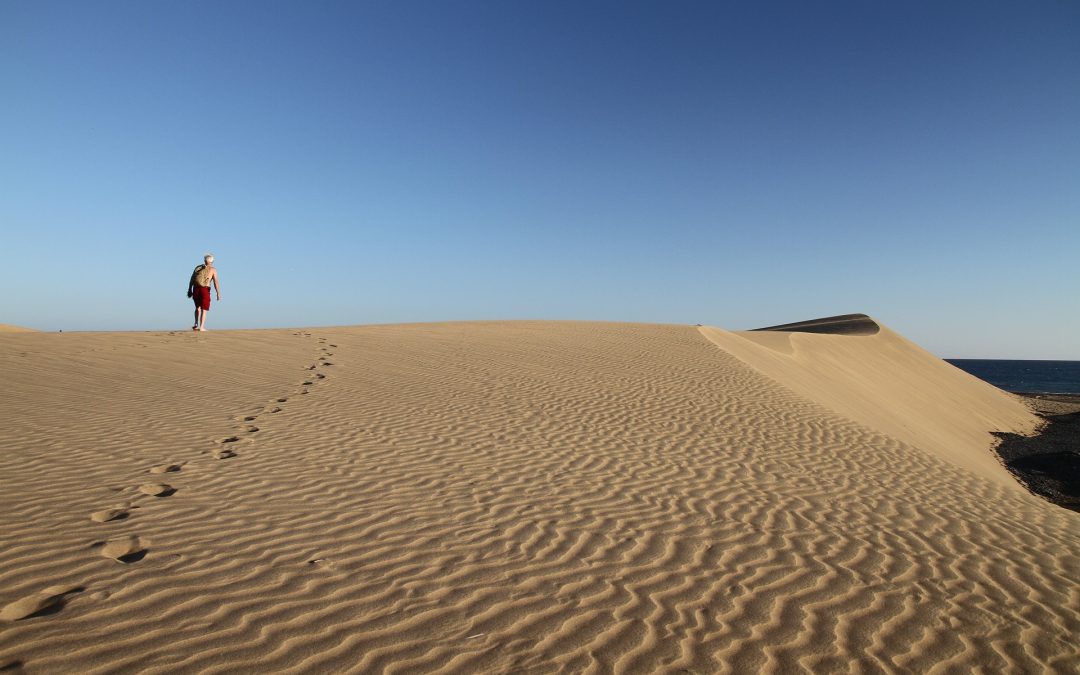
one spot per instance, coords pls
(129, 548)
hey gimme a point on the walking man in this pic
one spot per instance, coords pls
(199, 290)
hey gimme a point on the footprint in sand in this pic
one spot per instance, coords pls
(49, 601)
(252, 430)
(166, 468)
(128, 549)
(226, 452)
(333, 346)
(282, 400)
(106, 515)
(275, 410)
(157, 489)
(308, 383)
(321, 376)
(251, 418)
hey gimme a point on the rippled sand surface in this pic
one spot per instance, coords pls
(518, 497)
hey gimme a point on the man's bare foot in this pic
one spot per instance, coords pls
(201, 329)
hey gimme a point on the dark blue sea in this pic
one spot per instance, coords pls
(1035, 377)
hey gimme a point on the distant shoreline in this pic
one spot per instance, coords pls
(1043, 396)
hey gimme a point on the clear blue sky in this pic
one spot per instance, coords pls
(733, 164)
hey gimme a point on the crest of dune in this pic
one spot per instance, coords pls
(857, 368)
(8, 328)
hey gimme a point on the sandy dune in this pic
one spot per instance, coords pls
(518, 497)
(887, 384)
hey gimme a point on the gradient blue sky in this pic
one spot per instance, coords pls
(732, 164)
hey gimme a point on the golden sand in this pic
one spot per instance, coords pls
(518, 497)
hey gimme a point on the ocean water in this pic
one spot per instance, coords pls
(1038, 377)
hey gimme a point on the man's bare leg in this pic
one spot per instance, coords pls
(196, 326)
(202, 319)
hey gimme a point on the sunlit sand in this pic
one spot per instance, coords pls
(519, 497)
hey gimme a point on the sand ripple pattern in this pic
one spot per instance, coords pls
(499, 497)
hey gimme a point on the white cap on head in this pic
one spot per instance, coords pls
(209, 257)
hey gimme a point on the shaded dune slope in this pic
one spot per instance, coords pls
(845, 324)
(502, 497)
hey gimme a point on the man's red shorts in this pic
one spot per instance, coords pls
(201, 296)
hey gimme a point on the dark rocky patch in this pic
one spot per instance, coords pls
(1048, 464)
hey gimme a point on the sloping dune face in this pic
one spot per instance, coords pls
(865, 372)
(494, 497)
